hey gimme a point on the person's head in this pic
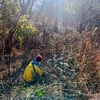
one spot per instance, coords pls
(39, 58)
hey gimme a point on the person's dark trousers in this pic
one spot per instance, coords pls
(37, 79)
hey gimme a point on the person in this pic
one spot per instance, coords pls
(33, 71)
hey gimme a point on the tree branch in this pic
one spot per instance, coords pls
(89, 8)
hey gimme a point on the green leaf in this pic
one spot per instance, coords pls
(99, 73)
(20, 39)
(39, 93)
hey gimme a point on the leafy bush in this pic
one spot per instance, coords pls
(25, 29)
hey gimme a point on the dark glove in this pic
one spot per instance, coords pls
(43, 75)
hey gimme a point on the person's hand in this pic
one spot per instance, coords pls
(43, 74)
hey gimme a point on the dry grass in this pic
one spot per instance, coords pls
(80, 50)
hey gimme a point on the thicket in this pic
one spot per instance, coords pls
(71, 59)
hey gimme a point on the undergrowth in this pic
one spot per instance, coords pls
(71, 74)
(64, 87)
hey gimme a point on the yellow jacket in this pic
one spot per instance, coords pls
(29, 72)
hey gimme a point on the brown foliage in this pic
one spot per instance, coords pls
(83, 46)
(88, 61)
